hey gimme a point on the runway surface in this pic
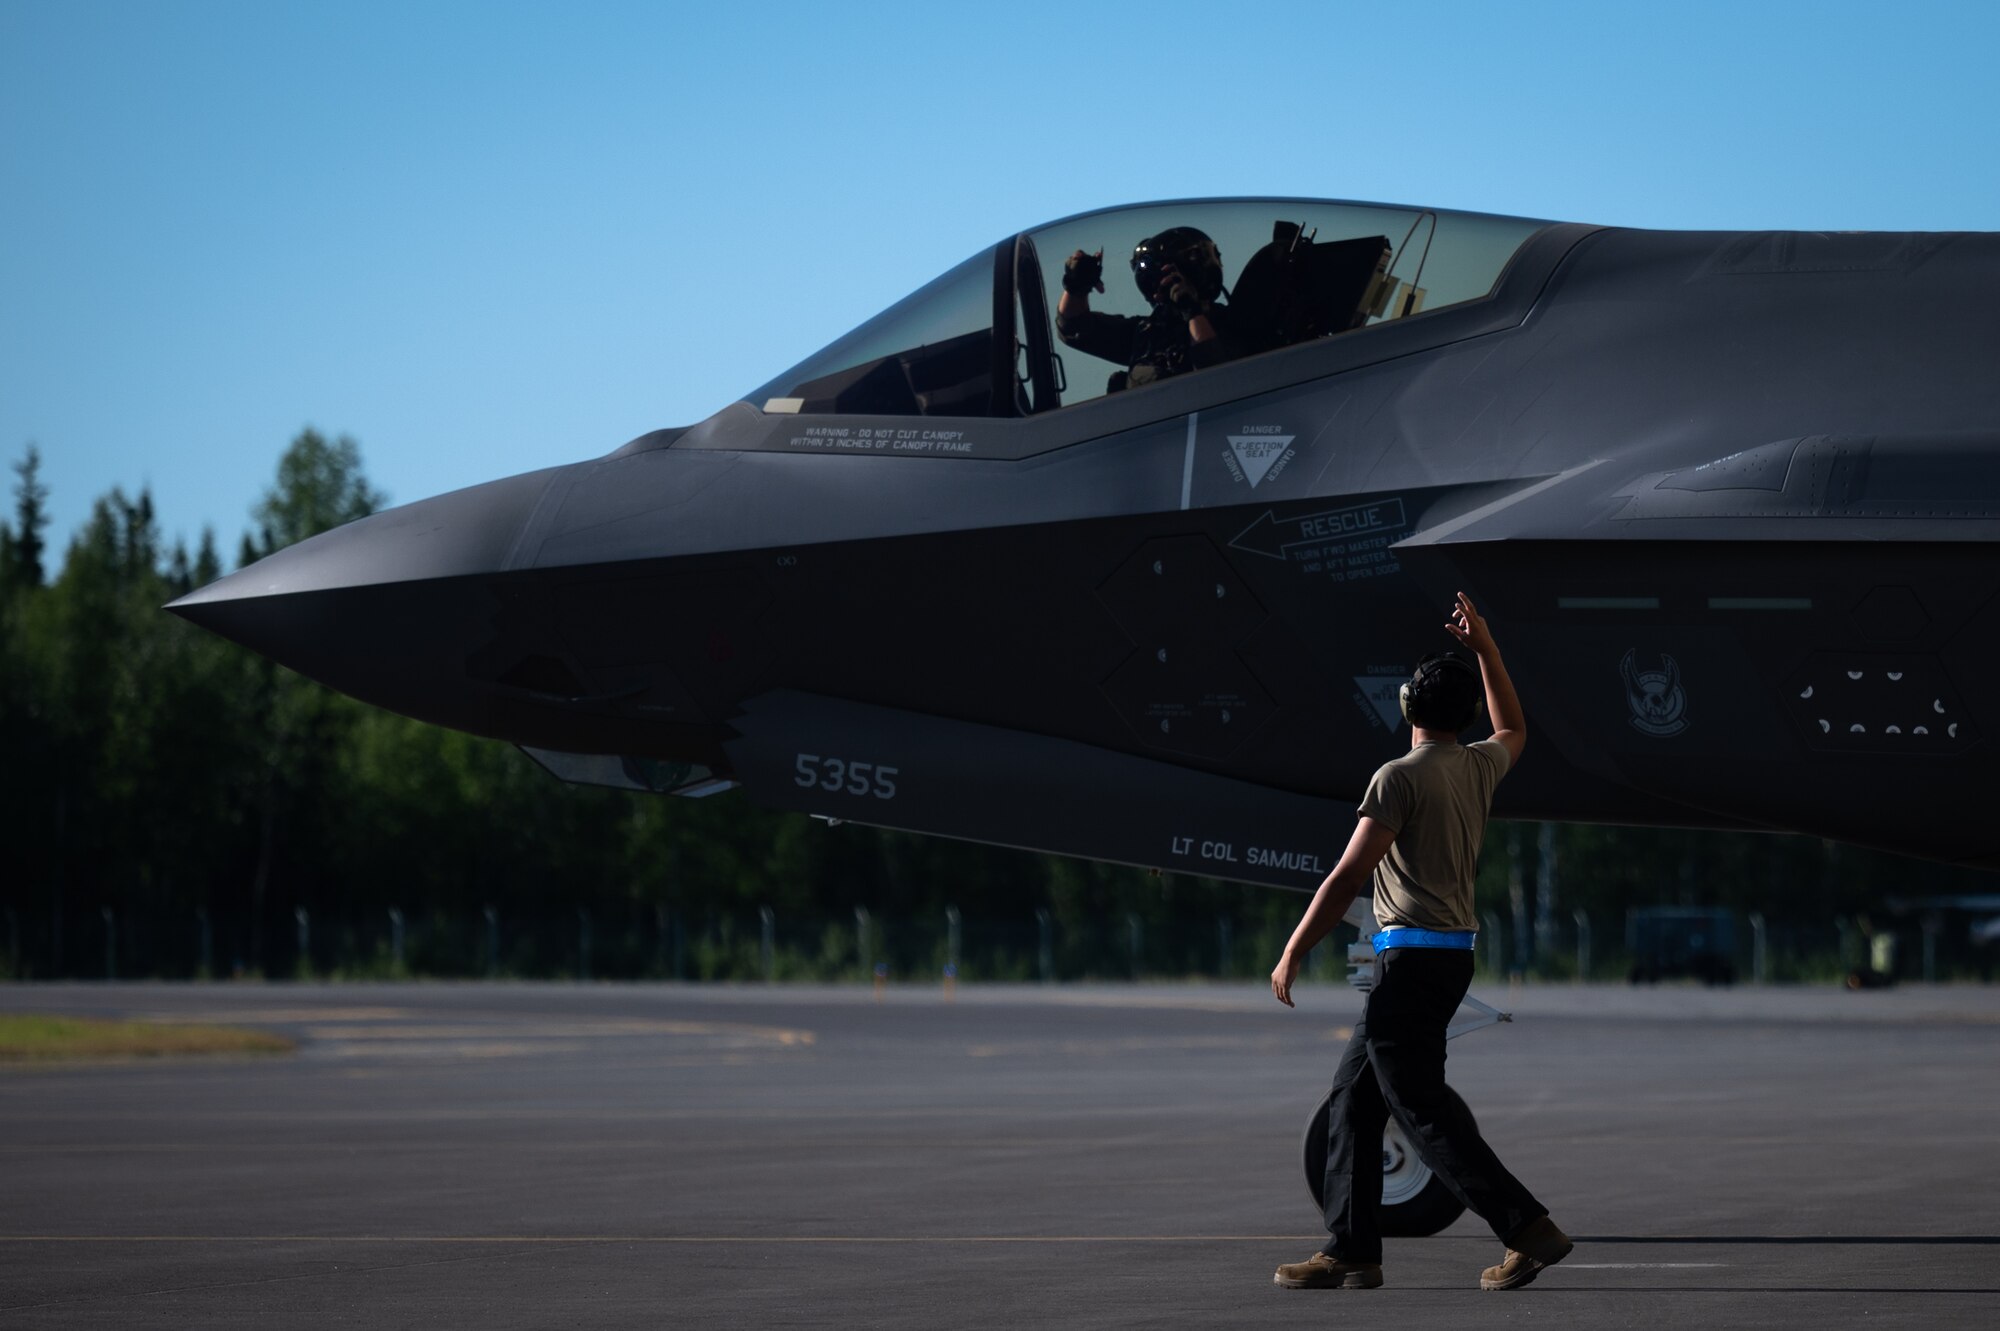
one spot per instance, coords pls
(540, 1155)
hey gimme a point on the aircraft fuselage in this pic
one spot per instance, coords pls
(1730, 501)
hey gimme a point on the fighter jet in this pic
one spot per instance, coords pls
(1730, 499)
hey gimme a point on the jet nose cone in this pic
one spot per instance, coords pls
(464, 533)
(386, 608)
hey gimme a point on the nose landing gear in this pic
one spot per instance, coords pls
(1415, 1202)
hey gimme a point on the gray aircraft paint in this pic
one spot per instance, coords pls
(1771, 457)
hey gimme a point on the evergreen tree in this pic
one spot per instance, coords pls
(302, 729)
(24, 544)
(207, 564)
(180, 572)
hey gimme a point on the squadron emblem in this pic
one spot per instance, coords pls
(1659, 705)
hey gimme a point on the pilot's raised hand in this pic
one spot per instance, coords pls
(1083, 273)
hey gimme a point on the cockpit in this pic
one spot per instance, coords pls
(980, 341)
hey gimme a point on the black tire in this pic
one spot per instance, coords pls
(1415, 1202)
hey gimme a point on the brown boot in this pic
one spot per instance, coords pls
(1535, 1245)
(1320, 1271)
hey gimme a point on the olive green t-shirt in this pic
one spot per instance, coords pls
(1435, 798)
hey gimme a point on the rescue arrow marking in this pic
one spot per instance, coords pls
(1271, 536)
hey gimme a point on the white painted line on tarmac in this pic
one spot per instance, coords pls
(581, 1239)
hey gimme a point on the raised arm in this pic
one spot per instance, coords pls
(1510, 726)
(1082, 274)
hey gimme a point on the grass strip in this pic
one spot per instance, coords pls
(27, 1037)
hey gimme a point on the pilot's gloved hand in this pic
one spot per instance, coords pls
(1183, 295)
(1084, 273)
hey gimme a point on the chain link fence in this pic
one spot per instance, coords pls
(642, 942)
(655, 942)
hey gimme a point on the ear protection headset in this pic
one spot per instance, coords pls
(1434, 667)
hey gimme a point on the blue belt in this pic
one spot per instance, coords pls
(1399, 936)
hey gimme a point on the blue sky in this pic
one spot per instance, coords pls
(484, 238)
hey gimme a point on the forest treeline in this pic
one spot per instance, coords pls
(174, 803)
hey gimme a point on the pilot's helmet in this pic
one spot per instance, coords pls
(1185, 248)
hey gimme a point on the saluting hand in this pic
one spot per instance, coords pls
(1083, 273)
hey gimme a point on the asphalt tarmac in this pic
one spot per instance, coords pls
(610, 1155)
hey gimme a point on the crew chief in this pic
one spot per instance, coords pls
(1422, 820)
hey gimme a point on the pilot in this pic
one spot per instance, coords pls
(1421, 823)
(1179, 273)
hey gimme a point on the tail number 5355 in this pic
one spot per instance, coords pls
(838, 774)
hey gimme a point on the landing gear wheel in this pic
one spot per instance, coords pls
(1415, 1202)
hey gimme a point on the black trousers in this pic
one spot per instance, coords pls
(1395, 1065)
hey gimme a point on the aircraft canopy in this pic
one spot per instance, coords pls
(979, 340)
